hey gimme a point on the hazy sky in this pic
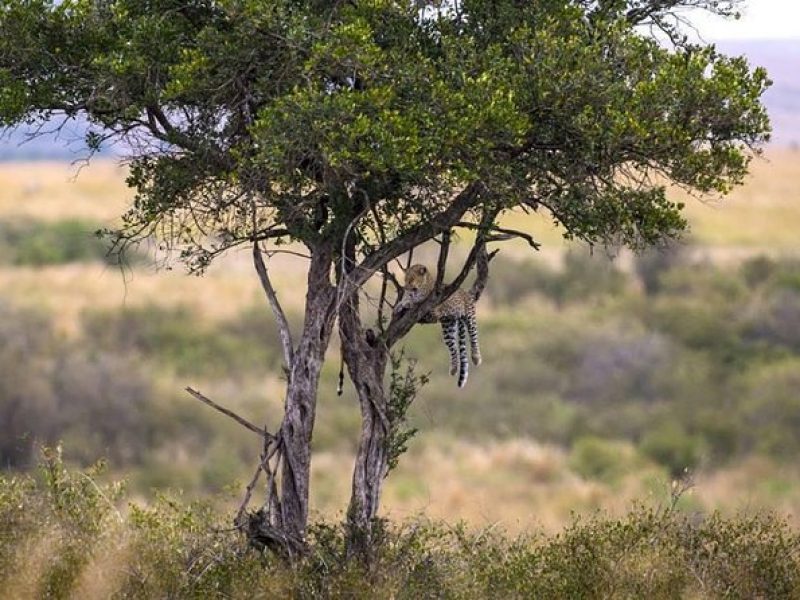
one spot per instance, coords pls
(761, 19)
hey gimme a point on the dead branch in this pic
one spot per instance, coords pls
(382, 301)
(241, 420)
(501, 234)
(482, 272)
(248, 492)
(277, 309)
(506, 234)
(272, 446)
(441, 263)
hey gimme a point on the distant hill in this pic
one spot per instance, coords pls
(18, 144)
(781, 58)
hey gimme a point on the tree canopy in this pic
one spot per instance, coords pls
(272, 119)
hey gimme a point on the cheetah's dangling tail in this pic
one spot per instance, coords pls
(340, 385)
(463, 361)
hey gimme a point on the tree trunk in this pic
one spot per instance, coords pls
(301, 397)
(366, 359)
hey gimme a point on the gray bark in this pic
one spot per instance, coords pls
(366, 358)
(301, 396)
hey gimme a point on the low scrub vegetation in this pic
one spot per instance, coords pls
(64, 535)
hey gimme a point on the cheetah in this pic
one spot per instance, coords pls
(456, 315)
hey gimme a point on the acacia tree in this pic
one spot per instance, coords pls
(359, 130)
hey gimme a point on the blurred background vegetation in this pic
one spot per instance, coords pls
(604, 378)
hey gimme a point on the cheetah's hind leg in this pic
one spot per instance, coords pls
(472, 327)
(450, 335)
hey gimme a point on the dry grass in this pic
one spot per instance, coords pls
(522, 485)
(67, 291)
(52, 191)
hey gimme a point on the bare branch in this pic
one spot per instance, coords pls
(241, 420)
(277, 309)
(482, 272)
(441, 263)
(248, 492)
(401, 324)
(382, 300)
(506, 234)
(418, 234)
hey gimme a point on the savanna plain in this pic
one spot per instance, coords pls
(634, 428)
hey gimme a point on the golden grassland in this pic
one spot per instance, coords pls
(518, 483)
(521, 485)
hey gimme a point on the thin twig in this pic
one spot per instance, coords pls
(242, 421)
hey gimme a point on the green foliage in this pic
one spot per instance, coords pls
(404, 384)
(404, 105)
(770, 407)
(63, 537)
(584, 276)
(671, 446)
(64, 517)
(31, 243)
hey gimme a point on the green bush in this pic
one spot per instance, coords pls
(652, 264)
(50, 389)
(62, 537)
(588, 275)
(775, 320)
(671, 446)
(606, 460)
(515, 280)
(770, 409)
(178, 338)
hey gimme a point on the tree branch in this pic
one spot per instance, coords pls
(506, 234)
(241, 420)
(418, 234)
(402, 323)
(441, 263)
(283, 325)
(482, 272)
